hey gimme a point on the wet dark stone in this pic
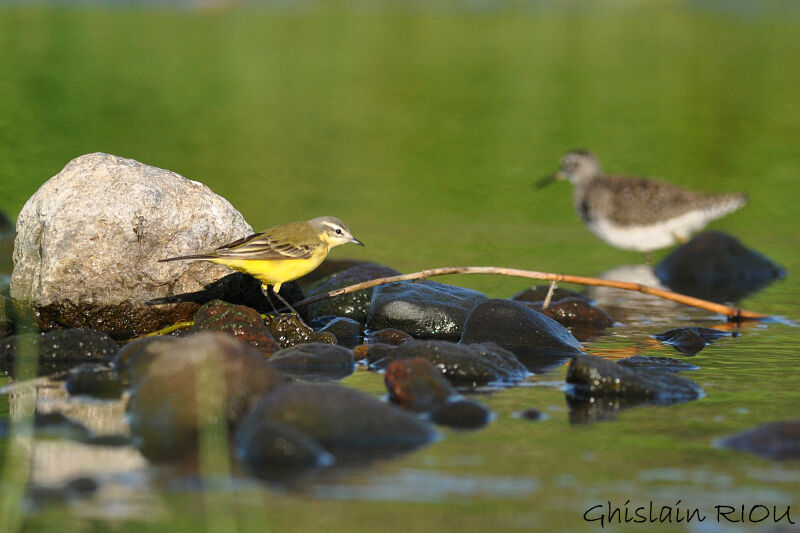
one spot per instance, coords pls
(60, 349)
(76, 488)
(315, 361)
(133, 359)
(56, 425)
(538, 341)
(574, 312)
(163, 407)
(344, 421)
(660, 364)
(461, 364)
(242, 322)
(775, 440)
(265, 445)
(692, 339)
(423, 309)
(532, 414)
(109, 440)
(346, 330)
(595, 377)
(392, 336)
(289, 331)
(354, 305)
(461, 414)
(716, 266)
(538, 293)
(97, 380)
(373, 352)
(415, 384)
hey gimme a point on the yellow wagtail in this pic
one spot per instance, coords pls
(281, 253)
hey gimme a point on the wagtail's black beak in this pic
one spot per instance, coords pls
(356, 241)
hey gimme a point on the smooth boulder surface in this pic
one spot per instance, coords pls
(354, 305)
(423, 309)
(314, 361)
(191, 382)
(344, 421)
(268, 448)
(595, 377)
(60, 349)
(538, 341)
(774, 440)
(461, 364)
(461, 414)
(242, 322)
(415, 384)
(89, 239)
(348, 332)
(716, 266)
(97, 380)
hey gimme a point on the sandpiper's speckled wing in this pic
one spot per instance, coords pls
(291, 241)
(629, 201)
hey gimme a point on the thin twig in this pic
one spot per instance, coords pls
(731, 312)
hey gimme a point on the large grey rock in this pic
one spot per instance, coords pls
(89, 239)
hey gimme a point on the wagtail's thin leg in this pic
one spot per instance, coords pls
(265, 289)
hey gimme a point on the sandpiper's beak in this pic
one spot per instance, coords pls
(356, 241)
(545, 181)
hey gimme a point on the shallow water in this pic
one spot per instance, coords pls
(424, 130)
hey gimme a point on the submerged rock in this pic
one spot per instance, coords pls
(716, 266)
(269, 447)
(191, 382)
(60, 349)
(461, 364)
(775, 440)
(531, 414)
(97, 380)
(346, 330)
(344, 421)
(659, 364)
(423, 309)
(289, 331)
(692, 339)
(315, 361)
(461, 414)
(415, 384)
(89, 239)
(539, 342)
(595, 377)
(354, 305)
(390, 336)
(242, 322)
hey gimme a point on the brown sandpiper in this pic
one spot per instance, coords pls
(634, 213)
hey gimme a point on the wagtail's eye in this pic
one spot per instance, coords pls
(338, 231)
